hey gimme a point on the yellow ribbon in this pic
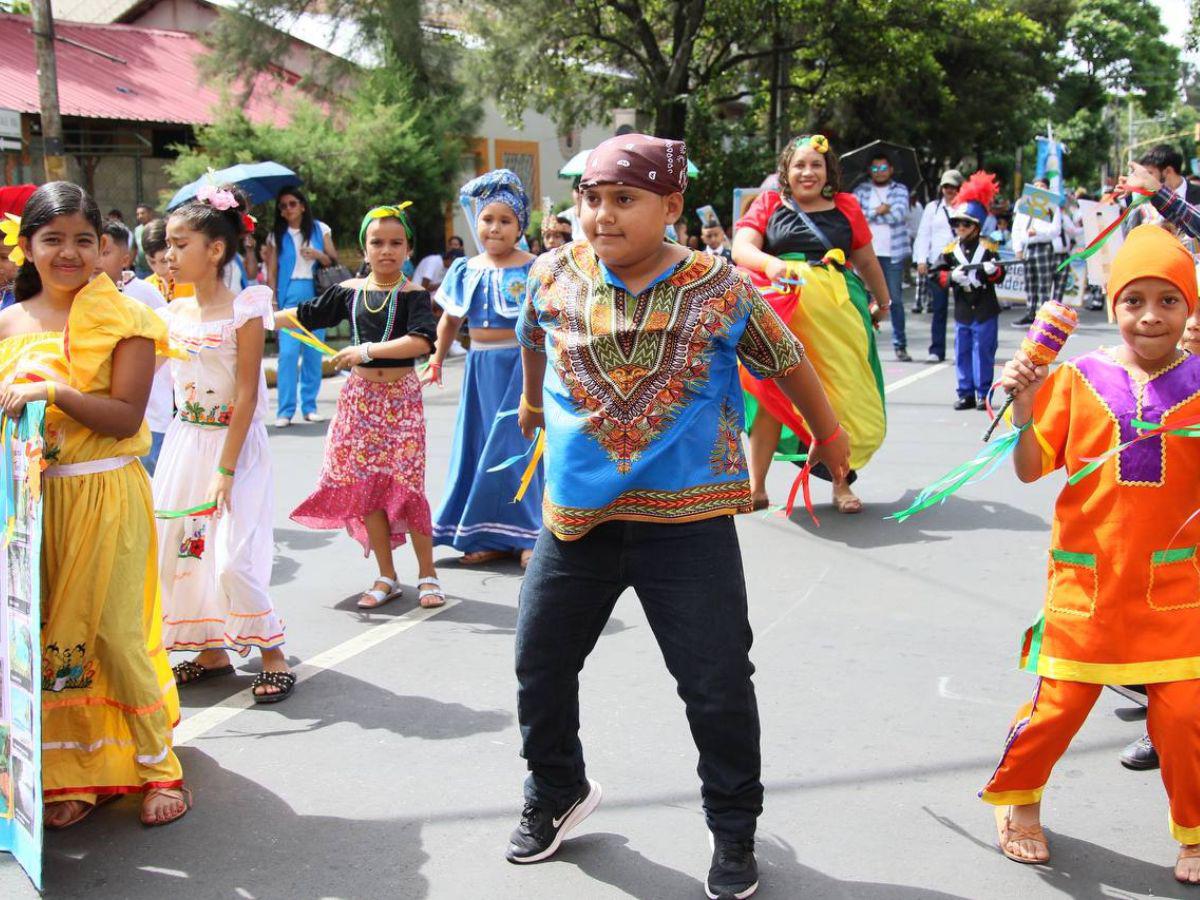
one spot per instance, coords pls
(306, 337)
(11, 227)
(527, 477)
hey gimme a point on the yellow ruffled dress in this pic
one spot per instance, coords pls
(109, 702)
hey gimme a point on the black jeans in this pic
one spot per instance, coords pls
(689, 579)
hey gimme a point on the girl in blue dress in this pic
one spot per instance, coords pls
(477, 514)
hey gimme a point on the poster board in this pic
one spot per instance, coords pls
(20, 639)
(742, 198)
(1038, 204)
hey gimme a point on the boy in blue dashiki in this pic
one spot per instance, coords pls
(632, 347)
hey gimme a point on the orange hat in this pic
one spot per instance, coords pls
(1151, 251)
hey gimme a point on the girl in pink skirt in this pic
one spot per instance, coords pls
(373, 478)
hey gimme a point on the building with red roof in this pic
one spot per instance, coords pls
(127, 94)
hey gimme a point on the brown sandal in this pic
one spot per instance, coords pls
(1186, 852)
(181, 793)
(88, 809)
(479, 557)
(1007, 832)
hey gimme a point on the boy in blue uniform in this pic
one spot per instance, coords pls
(630, 350)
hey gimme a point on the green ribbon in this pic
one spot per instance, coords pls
(1140, 425)
(204, 509)
(981, 467)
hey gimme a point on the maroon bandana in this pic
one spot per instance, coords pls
(638, 160)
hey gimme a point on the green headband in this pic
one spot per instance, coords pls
(386, 212)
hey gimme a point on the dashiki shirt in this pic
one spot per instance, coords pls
(1123, 582)
(642, 398)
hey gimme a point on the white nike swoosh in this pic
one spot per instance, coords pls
(557, 823)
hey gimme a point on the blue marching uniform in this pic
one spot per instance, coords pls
(477, 511)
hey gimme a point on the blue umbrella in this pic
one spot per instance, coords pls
(262, 181)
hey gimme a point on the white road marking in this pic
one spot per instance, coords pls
(946, 694)
(915, 377)
(812, 587)
(206, 720)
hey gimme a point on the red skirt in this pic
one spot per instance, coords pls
(374, 459)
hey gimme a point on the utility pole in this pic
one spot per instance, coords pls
(52, 134)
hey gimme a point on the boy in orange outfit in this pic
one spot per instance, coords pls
(1123, 598)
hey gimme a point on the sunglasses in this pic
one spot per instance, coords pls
(961, 224)
(882, 168)
(290, 204)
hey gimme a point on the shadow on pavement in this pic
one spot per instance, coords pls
(240, 840)
(608, 858)
(285, 567)
(870, 529)
(1082, 869)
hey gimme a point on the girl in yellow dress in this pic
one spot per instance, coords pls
(88, 352)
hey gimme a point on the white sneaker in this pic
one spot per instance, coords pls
(457, 349)
(313, 417)
(282, 423)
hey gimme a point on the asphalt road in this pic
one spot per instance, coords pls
(886, 660)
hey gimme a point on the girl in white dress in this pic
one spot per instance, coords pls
(213, 491)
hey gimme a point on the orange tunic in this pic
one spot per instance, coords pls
(1123, 589)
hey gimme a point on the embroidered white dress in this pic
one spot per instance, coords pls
(215, 572)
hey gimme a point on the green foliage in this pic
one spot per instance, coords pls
(385, 144)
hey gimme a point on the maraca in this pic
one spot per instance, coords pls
(1051, 327)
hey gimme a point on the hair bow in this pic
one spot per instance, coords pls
(818, 142)
(390, 211)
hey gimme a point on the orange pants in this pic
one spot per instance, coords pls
(1043, 728)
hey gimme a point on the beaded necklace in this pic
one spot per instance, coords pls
(391, 308)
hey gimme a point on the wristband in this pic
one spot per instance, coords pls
(51, 393)
(533, 409)
(823, 441)
(221, 470)
(364, 353)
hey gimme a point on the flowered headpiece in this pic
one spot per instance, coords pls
(11, 226)
(817, 142)
(499, 186)
(218, 198)
(393, 211)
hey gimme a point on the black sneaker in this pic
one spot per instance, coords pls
(1024, 322)
(981, 405)
(541, 831)
(733, 874)
(964, 403)
(902, 355)
(1140, 754)
(916, 309)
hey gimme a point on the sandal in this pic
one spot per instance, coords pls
(87, 810)
(379, 597)
(1186, 852)
(191, 672)
(180, 793)
(1008, 832)
(479, 557)
(285, 681)
(435, 591)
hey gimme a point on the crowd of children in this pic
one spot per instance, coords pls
(638, 363)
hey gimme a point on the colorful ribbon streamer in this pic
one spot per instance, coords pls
(1187, 428)
(1102, 238)
(306, 337)
(534, 454)
(982, 466)
(204, 509)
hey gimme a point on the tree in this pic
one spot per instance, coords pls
(385, 144)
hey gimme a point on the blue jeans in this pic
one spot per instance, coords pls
(975, 356)
(150, 460)
(688, 577)
(939, 305)
(893, 274)
(297, 357)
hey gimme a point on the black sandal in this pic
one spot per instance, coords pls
(190, 672)
(285, 681)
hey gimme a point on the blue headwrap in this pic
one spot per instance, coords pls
(498, 186)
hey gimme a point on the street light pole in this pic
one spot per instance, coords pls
(54, 162)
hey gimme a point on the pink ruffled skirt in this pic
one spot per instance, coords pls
(374, 459)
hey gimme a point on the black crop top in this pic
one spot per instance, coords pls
(787, 233)
(410, 312)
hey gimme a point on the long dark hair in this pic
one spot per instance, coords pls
(57, 198)
(281, 226)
